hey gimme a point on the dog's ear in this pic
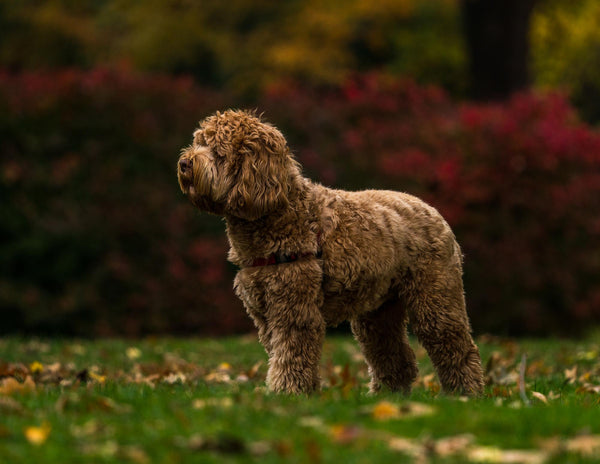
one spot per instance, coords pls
(264, 176)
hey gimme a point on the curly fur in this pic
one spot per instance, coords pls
(379, 259)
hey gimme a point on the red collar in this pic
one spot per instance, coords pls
(279, 259)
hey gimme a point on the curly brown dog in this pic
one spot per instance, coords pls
(312, 257)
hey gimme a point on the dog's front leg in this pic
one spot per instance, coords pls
(296, 325)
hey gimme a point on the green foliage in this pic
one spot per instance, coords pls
(203, 400)
(566, 51)
(241, 45)
(245, 46)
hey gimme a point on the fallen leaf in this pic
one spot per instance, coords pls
(492, 454)
(218, 377)
(453, 445)
(97, 378)
(224, 366)
(588, 445)
(571, 374)
(37, 435)
(10, 385)
(133, 353)
(405, 445)
(174, 377)
(225, 403)
(345, 433)
(36, 367)
(588, 388)
(254, 370)
(313, 422)
(384, 410)
(540, 396)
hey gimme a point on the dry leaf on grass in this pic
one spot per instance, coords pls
(406, 446)
(571, 374)
(37, 435)
(10, 386)
(384, 410)
(588, 445)
(224, 403)
(492, 454)
(345, 433)
(540, 396)
(133, 353)
(451, 446)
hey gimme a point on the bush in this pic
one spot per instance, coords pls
(95, 236)
(519, 182)
(244, 45)
(566, 51)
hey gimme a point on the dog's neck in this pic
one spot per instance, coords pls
(278, 237)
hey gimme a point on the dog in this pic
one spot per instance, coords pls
(311, 257)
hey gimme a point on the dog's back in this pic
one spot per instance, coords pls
(386, 238)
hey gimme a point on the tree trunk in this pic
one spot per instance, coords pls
(497, 38)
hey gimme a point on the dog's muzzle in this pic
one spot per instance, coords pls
(185, 166)
(185, 173)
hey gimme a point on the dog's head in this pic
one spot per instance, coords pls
(237, 165)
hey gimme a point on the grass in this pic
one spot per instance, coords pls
(168, 400)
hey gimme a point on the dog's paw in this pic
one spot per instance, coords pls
(292, 383)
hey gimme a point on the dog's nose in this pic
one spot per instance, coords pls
(185, 165)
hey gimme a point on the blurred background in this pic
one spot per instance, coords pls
(487, 109)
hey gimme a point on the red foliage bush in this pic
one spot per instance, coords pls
(96, 238)
(519, 182)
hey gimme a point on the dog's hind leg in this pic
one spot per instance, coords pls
(384, 344)
(439, 319)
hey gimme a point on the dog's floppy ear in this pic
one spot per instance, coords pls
(264, 175)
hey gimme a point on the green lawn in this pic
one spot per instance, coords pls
(203, 400)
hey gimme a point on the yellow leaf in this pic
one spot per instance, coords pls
(37, 435)
(36, 367)
(97, 378)
(384, 410)
(133, 353)
(224, 366)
